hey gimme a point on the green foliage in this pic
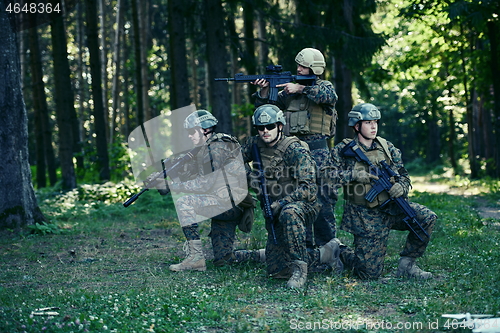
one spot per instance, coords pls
(110, 273)
(119, 162)
(45, 228)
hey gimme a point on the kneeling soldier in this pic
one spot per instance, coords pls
(289, 174)
(371, 221)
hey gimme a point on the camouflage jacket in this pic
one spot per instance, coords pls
(321, 93)
(341, 170)
(296, 158)
(221, 151)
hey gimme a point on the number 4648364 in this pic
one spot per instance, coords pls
(33, 8)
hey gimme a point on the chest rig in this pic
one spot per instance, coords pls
(303, 116)
(355, 192)
(214, 158)
(281, 180)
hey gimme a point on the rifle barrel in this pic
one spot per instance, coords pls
(134, 197)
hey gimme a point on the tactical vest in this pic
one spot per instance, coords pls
(281, 180)
(226, 183)
(303, 116)
(355, 192)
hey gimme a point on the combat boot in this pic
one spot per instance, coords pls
(299, 274)
(408, 268)
(330, 254)
(195, 260)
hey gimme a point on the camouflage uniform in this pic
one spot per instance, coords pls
(291, 168)
(218, 149)
(319, 99)
(371, 225)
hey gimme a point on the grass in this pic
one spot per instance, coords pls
(105, 268)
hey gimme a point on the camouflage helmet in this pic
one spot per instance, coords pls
(200, 118)
(268, 114)
(313, 59)
(363, 111)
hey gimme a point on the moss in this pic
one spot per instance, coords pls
(14, 218)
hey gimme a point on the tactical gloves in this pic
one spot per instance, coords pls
(396, 190)
(275, 207)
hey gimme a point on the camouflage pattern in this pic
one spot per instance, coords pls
(321, 93)
(218, 149)
(298, 209)
(200, 118)
(324, 228)
(223, 225)
(371, 226)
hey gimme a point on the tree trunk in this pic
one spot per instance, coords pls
(249, 55)
(343, 87)
(104, 60)
(64, 101)
(18, 205)
(235, 54)
(117, 65)
(494, 36)
(434, 141)
(195, 86)
(82, 132)
(142, 15)
(217, 64)
(264, 47)
(138, 70)
(95, 70)
(127, 126)
(179, 90)
(44, 152)
(451, 140)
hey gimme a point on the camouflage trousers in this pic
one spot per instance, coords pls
(222, 233)
(370, 246)
(290, 232)
(324, 227)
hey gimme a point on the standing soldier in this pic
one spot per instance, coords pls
(368, 221)
(309, 109)
(211, 196)
(290, 181)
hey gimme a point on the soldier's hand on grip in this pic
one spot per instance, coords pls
(275, 207)
(396, 190)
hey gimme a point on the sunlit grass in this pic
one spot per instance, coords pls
(108, 271)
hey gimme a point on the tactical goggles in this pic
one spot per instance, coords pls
(269, 127)
(191, 131)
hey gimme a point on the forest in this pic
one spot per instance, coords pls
(94, 70)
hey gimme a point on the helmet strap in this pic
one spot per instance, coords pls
(280, 134)
(207, 131)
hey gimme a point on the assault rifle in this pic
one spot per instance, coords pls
(274, 75)
(264, 196)
(384, 184)
(169, 167)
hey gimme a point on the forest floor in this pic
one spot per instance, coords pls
(485, 208)
(100, 267)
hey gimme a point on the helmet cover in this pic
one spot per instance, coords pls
(363, 111)
(268, 114)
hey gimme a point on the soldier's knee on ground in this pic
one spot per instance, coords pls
(226, 260)
(368, 272)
